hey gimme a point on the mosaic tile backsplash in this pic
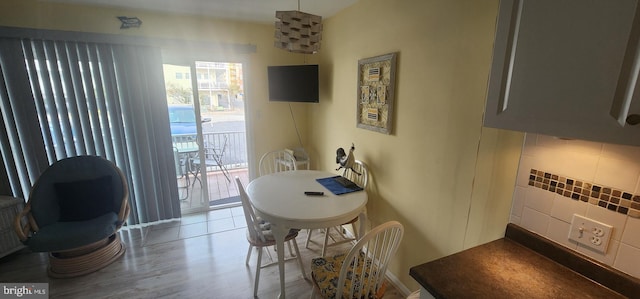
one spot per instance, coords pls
(608, 198)
(558, 179)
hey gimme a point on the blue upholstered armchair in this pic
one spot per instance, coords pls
(74, 210)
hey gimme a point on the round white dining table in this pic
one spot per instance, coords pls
(280, 199)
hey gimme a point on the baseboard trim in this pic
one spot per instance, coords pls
(398, 284)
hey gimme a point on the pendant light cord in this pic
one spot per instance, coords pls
(296, 126)
(290, 109)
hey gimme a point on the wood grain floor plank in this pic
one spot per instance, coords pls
(210, 265)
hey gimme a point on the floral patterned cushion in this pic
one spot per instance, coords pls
(325, 272)
(265, 229)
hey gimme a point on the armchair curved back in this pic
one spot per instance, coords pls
(74, 210)
(77, 183)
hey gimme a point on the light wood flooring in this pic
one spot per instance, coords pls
(200, 256)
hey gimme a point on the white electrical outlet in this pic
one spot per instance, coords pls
(590, 233)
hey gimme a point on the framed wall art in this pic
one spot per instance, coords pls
(376, 87)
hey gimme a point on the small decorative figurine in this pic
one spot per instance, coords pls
(129, 22)
(346, 161)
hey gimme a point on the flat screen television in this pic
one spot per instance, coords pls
(293, 83)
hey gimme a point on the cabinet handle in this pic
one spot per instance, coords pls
(633, 119)
(626, 91)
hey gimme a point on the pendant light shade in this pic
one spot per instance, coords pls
(298, 32)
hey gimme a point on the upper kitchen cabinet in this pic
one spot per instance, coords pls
(567, 68)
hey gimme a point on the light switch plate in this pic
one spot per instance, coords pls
(590, 233)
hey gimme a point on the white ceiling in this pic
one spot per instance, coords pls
(262, 11)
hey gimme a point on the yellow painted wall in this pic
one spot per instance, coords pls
(447, 179)
(271, 123)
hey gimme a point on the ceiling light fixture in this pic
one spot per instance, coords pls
(298, 31)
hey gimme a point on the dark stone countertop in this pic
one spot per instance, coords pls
(506, 268)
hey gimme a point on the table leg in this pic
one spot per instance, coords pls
(279, 233)
(362, 219)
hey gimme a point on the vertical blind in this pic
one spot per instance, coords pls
(62, 99)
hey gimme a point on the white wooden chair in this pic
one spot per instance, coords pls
(277, 161)
(259, 235)
(303, 161)
(360, 273)
(361, 178)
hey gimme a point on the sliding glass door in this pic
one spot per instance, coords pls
(208, 134)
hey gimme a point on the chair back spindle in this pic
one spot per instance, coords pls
(277, 161)
(374, 251)
(362, 269)
(359, 174)
(253, 222)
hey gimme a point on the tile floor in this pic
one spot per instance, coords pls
(194, 225)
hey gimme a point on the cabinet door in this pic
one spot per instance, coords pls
(556, 67)
(626, 103)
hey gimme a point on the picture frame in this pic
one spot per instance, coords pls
(376, 89)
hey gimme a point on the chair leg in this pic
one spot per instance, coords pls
(290, 250)
(269, 254)
(355, 231)
(248, 255)
(340, 230)
(326, 240)
(313, 291)
(258, 267)
(295, 246)
(306, 244)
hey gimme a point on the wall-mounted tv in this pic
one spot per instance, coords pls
(293, 83)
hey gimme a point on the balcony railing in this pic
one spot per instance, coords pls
(206, 85)
(232, 146)
(229, 160)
